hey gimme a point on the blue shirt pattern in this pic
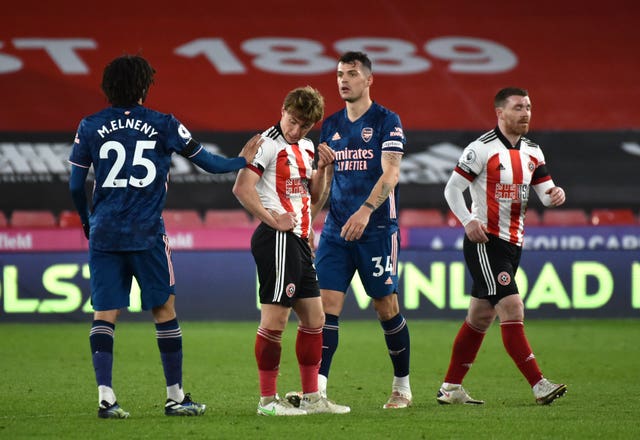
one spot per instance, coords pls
(359, 146)
(130, 150)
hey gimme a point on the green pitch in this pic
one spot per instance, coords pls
(48, 389)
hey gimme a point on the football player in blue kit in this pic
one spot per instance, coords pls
(361, 229)
(130, 148)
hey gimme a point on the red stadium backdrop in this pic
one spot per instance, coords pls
(223, 70)
(225, 66)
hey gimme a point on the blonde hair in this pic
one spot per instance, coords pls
(306, 103)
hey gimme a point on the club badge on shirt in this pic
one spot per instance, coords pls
(367, 134)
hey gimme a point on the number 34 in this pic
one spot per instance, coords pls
(379, 269)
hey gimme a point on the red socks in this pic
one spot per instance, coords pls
(309, 353)
(268, 349)
(517, 346)
(467, 344)
(465, 348)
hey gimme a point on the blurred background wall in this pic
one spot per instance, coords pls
(223, 69)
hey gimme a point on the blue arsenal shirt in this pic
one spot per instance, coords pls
(359, 146)
(130, 150)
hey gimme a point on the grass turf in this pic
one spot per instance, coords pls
(48, 388)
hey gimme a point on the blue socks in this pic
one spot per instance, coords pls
(329, 342)
(169, 337)
(101, 342)
(396, 335)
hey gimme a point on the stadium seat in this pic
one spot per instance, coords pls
(227, 218)
(612, 217)
(69, 219)
(452, 220)
(181, 218)
(415, 218)
(32, 219)
(532, 218)
(564, 217)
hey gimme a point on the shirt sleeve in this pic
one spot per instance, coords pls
(264, 156)
(393, 140)
(453, 193)
(80, 151)
(471, 163)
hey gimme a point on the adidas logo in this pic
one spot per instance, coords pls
(336, 137)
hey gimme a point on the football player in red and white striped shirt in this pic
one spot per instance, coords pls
(498, 169)
(279, 187)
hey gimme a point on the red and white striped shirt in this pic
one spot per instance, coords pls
(286, 170)
(500, 176)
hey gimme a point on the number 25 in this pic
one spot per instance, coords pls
(121, 154)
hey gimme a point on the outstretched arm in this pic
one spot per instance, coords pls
(214, 163)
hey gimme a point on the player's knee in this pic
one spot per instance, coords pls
(386, 307)
(332, 302)
(164, 313)
(481, 323)
(311, 320)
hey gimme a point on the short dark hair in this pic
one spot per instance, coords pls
(502, 96)
(126, 80)
(352, 56)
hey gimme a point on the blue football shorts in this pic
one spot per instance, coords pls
(376, 261)
(112, 274)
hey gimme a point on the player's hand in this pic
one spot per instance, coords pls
(251, 147)
(326, 155)
(286, 222)
(86, 229)
(476, 231)
(556, 195)
(355, 226)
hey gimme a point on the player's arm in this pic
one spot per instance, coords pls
(453, 193)
(214, 163)
(320, 186)
(387, 181)
(324, 196)
(245, 191)
(78, 195)
(354, 227)
(550, 195)
(317, 206)
(319, 190)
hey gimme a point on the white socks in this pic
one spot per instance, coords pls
(322, 385)
(402, 385)
(106, 393)
(175, 393)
